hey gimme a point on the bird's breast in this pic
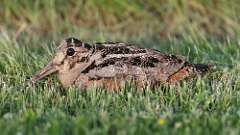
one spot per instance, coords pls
(66, 79)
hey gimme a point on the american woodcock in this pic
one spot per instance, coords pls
(111, 64)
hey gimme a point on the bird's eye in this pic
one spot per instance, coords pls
(70, 51)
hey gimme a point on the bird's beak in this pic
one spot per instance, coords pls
(47, 70)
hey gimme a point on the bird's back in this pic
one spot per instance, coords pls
(123, 61)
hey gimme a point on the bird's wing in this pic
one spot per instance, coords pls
(125, 59)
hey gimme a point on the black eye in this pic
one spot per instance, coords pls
(70, 51)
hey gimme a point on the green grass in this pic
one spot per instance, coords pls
(207, 105)
(203, 31)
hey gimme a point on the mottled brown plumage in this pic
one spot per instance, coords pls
(111, 64)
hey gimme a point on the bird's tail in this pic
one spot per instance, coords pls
(201, 68)
(190, 70)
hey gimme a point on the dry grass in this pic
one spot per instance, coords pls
(162, 18)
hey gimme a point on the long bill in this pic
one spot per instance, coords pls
(47, 70)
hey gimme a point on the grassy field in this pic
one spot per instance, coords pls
(205, 105)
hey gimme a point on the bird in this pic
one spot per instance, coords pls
(111, 65)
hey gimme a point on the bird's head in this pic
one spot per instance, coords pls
(70, 52)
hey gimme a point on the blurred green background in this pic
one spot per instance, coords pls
(130, 18)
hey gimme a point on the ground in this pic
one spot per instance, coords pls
(202, 31)
(204, 105)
